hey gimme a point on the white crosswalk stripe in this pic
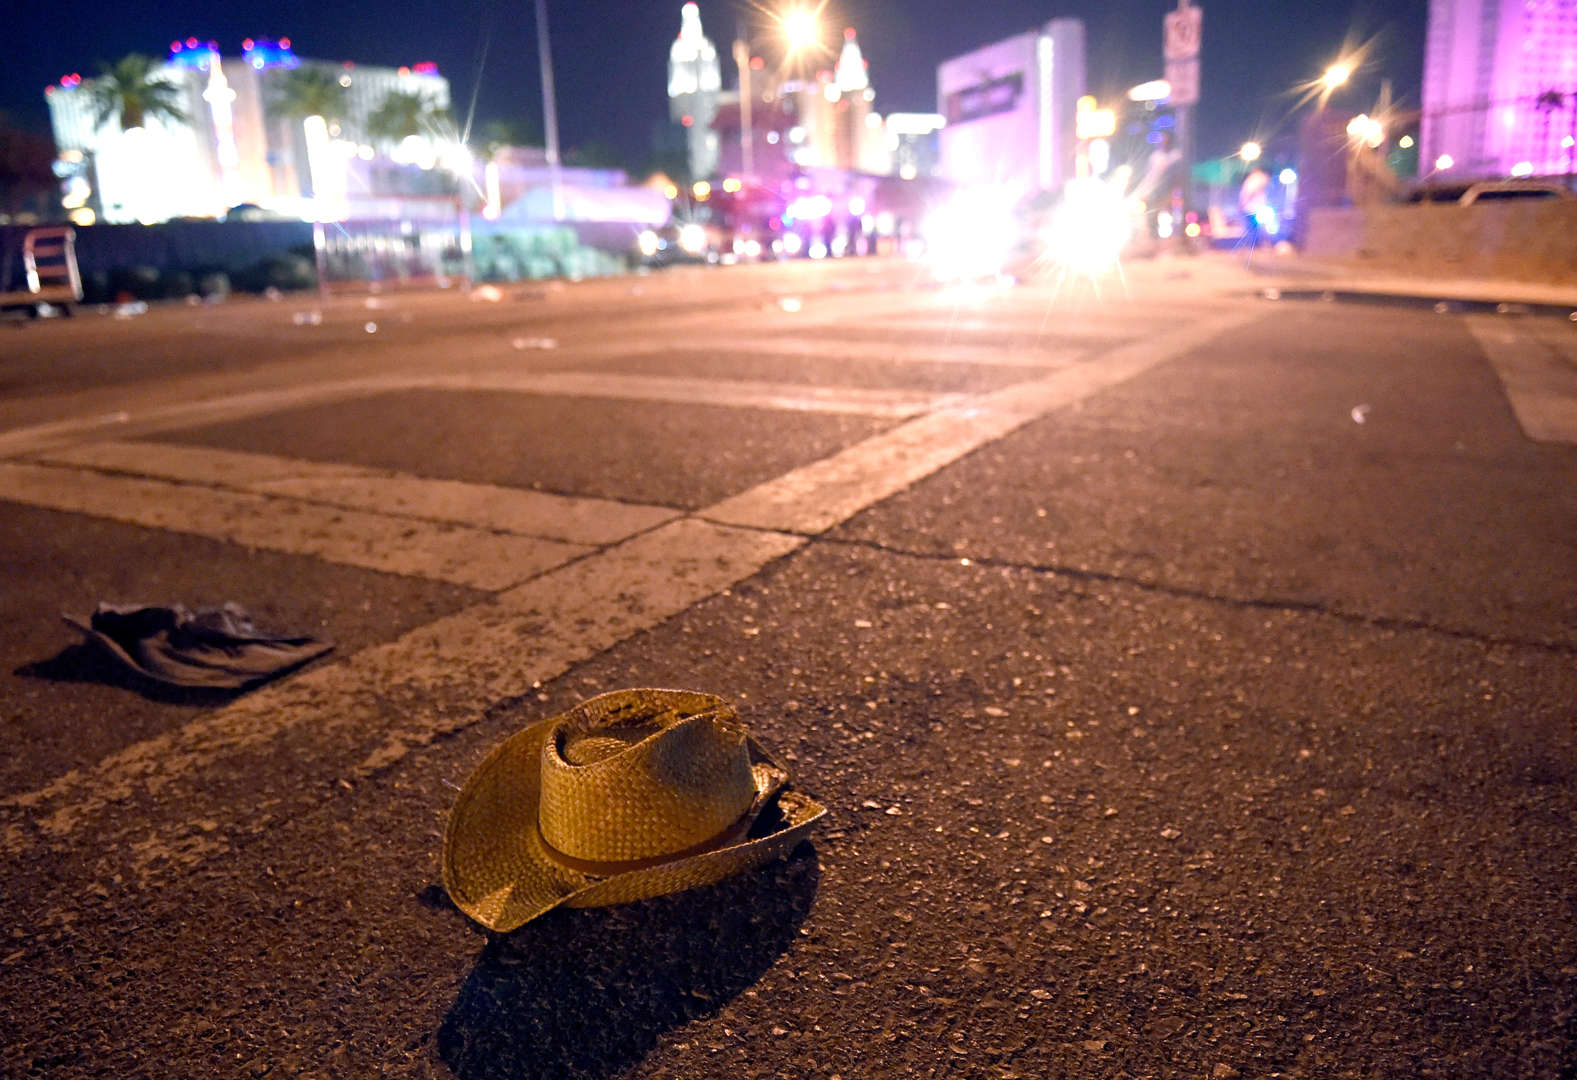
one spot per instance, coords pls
(454, 553)
(574, 520)
(1537, 364)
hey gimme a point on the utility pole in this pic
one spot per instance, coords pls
(550, 112)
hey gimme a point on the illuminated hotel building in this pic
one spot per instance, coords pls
(1009, 110)
(236, 146)
(694, 82)
(827, 121)
(1487, 63)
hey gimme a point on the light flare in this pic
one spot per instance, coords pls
(972, 236)
(1090, 229)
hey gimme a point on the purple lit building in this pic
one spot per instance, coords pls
(1499, 83)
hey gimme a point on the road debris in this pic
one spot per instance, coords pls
(215, 648)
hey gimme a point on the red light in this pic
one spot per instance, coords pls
(405, 71)
(687, 120)
(848, 33)
(284, 43)
(756, 63)
(175, 46)
(247, 44)
(191, 43)
(48, 90)
(349, 64)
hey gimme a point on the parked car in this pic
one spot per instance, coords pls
(1505, 190)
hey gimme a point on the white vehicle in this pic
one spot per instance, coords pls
(1506, 190)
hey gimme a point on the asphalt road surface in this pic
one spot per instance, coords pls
(1189, 676)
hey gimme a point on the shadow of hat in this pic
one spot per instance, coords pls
(590, 993)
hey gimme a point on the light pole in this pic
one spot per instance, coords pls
(550, 112)
(747, 133)
(800, 28)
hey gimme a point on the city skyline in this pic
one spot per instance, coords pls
(1253, 56)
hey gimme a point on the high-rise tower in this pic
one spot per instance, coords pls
(694, 80)
(1499, 79)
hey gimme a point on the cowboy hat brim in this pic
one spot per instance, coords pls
(499, 871)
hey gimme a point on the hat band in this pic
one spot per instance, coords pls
(732, 834)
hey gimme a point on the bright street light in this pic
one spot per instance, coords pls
(1444, 162)
(801, 29)
(1366, 130)
(1336, 75)
(1250, 151)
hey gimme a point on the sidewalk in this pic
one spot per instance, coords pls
(1294, 271)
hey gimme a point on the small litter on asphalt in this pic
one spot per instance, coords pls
(631, 794)
(127, 310)
(217, 648)
(371, 328)
(1360, 413)
(273, 293)
(307, 318)
(492, 294)
(535, 343)
(1272, 294)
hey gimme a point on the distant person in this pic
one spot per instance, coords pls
(1252, 200)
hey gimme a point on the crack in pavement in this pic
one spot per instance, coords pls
(1264, 603)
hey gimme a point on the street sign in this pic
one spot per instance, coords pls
(1183, 75)
(1182, 32)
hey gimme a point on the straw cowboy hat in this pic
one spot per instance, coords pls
(631, 794)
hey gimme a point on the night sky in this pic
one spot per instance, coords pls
(610, 57)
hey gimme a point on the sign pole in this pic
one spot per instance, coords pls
(1180, 51)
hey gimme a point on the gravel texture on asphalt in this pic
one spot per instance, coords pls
(815, 369)
(1199, 730)
(1076, 828)
(1251, 756)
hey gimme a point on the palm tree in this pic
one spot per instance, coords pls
(310, 91)
(131, 91)
(1547, 103)
(401, 114)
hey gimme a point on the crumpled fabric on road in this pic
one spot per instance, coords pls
(215, 648)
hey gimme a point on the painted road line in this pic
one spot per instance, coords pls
(574, 520)
(725, 393)
(1051, 327)
(815, 497)
(1537, 365)
(931, 352)
(376, 706)
(394, 545)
